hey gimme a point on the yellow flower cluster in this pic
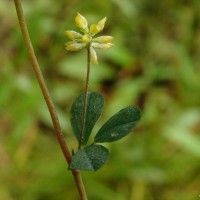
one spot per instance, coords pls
(85, 39)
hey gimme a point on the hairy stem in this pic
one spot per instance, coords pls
(46, 95)
(85, 95)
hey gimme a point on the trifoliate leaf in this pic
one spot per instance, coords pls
(94, 107)
(90, 158)
(119, 125)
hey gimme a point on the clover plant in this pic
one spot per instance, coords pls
(87, 107)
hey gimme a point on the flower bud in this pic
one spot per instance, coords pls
(74, 46)
(81, 22)
(85, 38)
(93, 55)
(72, 35)
(103, 39)
(94, 29)
(101, 24)
(102, 46)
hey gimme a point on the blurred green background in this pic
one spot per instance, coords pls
(155, 64)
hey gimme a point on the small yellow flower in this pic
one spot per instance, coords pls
(86, 40)
(103, 39)
(74, 46)
(93, 55)
(73, 35)
(102, 46)
(101, 24)
(94, 29)
(81, 22)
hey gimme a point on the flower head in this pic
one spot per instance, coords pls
(85, 38)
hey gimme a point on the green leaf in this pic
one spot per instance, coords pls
(90, 158)
(94, 107)
(119, 125)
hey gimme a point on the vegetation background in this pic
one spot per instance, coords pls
(155, 64)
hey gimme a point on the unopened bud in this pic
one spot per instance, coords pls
(85, 38)
(94, 29)
(103, 39)
(81, 22)
(74, 46)
(102, 46)
(101, 24)
(72, 35)
(93, 55)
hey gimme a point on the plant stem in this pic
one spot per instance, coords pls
(85, 95)
(46, 95)
(40, 79)
(80, 184)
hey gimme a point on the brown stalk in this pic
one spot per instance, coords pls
(48, 100)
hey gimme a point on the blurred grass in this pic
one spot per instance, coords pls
(154, 63)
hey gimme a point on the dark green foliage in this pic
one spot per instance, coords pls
(93, 157)
(119, 125)
(95, 103)
(90, 158)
